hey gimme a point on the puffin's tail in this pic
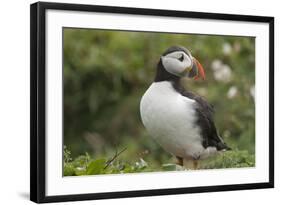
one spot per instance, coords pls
(221, 145)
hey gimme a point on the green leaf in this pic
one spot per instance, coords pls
(96, 167)
(171, 167)
(80, 171)
(68, 170)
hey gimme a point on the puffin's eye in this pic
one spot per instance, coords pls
(181, 58)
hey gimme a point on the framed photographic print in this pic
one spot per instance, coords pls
(129, 102)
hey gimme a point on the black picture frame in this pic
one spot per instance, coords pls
(38, 100)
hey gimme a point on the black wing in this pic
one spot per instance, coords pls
(205, 115)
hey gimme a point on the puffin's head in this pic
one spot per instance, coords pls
(177, 62)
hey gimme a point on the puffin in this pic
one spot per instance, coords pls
(182, 122)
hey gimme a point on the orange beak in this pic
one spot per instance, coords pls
(201, 71)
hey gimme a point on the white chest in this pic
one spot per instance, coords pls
(170, 119)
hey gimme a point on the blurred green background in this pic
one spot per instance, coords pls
(107, 72)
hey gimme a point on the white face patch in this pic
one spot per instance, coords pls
(176, 62)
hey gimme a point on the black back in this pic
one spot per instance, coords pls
(205, 113)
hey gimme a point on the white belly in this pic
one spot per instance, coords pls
(170, 119)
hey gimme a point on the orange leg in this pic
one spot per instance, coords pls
(195, 164)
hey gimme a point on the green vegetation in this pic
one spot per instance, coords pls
(85, 165)
(107, 72)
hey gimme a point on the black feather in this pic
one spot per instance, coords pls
(176, 48)
(205, 119)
